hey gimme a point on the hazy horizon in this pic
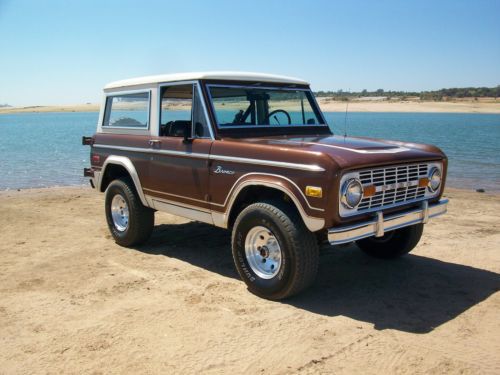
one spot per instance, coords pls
(57, 52)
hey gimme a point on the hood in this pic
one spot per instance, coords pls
(353, 152)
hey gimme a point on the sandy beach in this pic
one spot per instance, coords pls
(488, 105)
(72, 301)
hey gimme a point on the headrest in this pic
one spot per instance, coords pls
(177, 128)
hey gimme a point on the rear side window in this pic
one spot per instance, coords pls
(127, 110)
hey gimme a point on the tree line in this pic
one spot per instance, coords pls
(443, 94)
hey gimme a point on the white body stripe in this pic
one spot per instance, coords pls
(271, 163)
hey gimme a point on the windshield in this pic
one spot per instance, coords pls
(249, 106)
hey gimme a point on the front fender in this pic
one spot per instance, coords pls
(310, 215)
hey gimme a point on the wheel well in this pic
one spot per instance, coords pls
(112, 172)
(253, 194)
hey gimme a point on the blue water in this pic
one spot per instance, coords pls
(44, 149)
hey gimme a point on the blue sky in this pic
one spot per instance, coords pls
(63, 52)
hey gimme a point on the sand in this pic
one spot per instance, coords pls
(487, 105)
(72, 301)
(91, 107)
(459, 106)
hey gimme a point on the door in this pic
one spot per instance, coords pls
(178, 174)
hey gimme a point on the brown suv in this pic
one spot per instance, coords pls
(253, 153)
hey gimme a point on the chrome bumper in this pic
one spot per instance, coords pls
(381, 224)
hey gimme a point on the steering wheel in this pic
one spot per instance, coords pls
(279, 111)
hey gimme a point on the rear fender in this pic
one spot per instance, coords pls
(129, 167)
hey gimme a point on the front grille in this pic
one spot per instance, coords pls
(388, 181)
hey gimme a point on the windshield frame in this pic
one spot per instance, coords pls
(309, 95)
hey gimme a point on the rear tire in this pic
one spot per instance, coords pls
(393, 244)
(274, 253)
(129, 221)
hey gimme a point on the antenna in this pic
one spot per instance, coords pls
(345, 119)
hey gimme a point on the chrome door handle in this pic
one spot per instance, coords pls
(153, 142)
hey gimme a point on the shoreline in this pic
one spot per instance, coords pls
(490, 106)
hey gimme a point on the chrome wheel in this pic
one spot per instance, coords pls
(119, 213)
(263, 252)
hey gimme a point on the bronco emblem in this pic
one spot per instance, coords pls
(219, 169)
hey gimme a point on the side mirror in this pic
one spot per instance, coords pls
(187, 133)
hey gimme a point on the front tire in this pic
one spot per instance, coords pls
(393, 244)
(274, 253)
(129, 222)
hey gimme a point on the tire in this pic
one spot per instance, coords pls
(264, 230)
(138, 227)
(393, 244)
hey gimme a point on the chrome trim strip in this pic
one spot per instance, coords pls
(304, 167)
(180, 210)
(391, 222)
(179, 204)
(175, 195)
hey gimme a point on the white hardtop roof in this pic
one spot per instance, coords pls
(229, 76)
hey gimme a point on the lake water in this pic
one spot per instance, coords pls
(44, 149)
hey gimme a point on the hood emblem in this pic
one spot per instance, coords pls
(220, 170)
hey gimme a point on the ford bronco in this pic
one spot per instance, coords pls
(253, 153)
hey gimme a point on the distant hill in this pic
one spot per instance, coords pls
(443, 94)
(4, 105)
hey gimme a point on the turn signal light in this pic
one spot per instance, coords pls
(369, 191)
(314, 191)
(423, 182)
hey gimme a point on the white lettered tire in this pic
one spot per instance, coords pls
(274, 253)
(129, 222)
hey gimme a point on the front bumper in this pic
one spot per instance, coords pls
(381, 224)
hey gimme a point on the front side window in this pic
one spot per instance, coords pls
(250, 106)
(127, 110)
(181, 108)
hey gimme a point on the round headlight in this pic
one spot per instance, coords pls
(434, 180)
(352, 193)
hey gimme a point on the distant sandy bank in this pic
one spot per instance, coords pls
(462, 106)
(52, 108)
(489, 105)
